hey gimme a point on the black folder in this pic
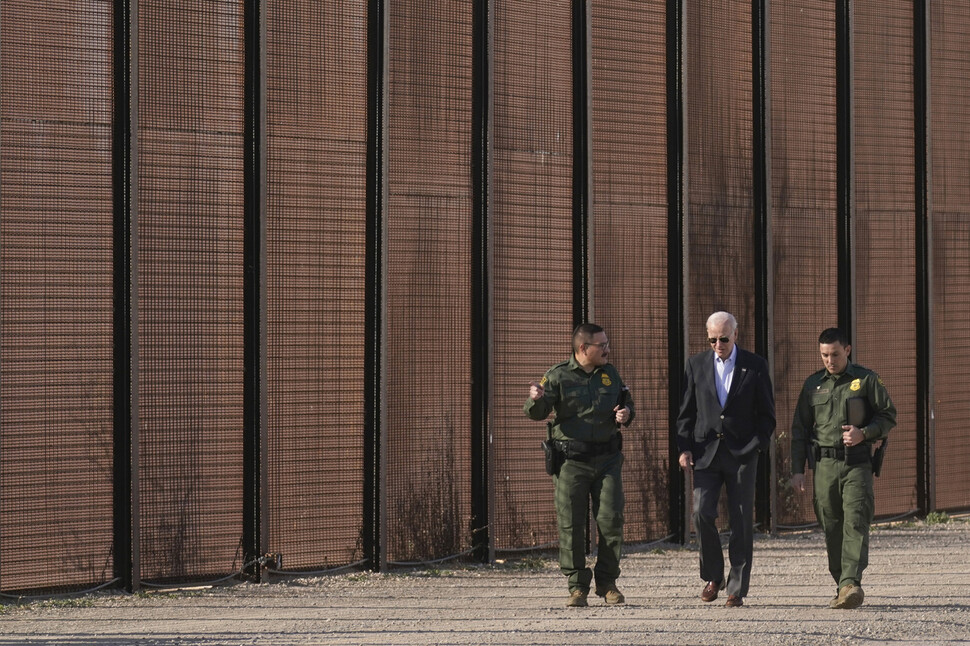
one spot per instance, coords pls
(857, 414)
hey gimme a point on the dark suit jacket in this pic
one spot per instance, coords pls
(745, 423)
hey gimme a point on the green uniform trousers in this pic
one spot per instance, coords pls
(598, 480)
(844, 506)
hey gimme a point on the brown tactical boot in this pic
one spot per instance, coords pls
(850, 596)
(577, 598)
(610, 593)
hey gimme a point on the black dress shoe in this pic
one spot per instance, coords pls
(709, 593)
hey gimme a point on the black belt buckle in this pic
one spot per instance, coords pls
(834, 452)
(574, 449)
(583, 451)
(851, 456)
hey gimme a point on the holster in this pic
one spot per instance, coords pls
(553, 456)
(877, 457)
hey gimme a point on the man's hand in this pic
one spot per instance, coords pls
(852, 435)
(536, 391)
(798, 481)
(622, 414)
(686, 460)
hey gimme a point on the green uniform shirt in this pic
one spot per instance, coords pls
(583, 402)
(823, 409)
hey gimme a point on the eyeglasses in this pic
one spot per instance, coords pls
(722, 339)
(601, 346)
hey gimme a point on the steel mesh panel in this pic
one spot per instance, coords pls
(719, 158)
(56, 298)
(629, 238)
(531, 212)
(190, 326)
(950, 219)
(316, 115)
(951, 356)
(885, 229)
(804, 222)
(428, 233)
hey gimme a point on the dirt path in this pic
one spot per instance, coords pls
(915, 588)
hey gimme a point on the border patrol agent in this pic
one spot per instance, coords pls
(590, 403)
(842, 410)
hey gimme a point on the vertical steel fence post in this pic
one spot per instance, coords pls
(255, 506)
(764, 285)
(844, 166)
(676, 256)
(925, 450)
(581, 161)
(481, 281)
(126, 534)
(373, 544)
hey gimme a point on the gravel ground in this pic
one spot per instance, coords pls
(914, 586)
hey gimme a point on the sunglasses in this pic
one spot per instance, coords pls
(714, 339)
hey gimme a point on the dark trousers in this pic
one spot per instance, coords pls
(738, 478)
(597, 481)
(844, 506)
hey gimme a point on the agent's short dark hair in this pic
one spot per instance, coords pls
(833, 335)
(584, 334)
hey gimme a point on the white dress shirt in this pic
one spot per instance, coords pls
(724, 373)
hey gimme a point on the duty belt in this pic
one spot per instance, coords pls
(578, 450)
(854, 455)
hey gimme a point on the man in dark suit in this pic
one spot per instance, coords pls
(727, 416)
